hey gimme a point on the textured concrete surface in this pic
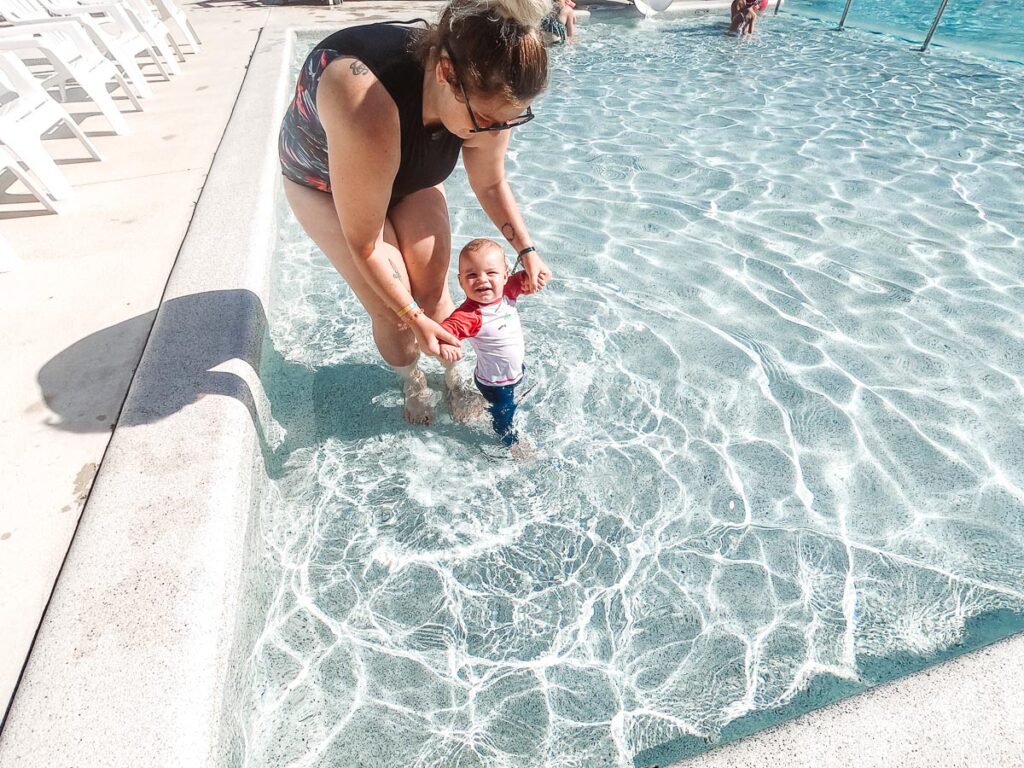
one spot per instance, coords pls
(132, 662)
(76, 314)
(129, 667)
(965, 713)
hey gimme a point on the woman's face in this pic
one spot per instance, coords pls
(460, 109)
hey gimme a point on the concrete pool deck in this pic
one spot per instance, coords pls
(155, 569)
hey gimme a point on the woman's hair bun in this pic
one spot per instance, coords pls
(526, 13)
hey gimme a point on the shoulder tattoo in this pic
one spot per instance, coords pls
(358, 68)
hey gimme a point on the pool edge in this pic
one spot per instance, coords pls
(153, 575)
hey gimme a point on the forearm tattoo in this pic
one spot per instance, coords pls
(508, 231)
(358, 68)
(394, 271)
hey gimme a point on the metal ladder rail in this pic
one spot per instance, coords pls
(935, 25)
(846, 11)
(927, 40)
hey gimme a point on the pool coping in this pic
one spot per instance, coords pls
(155, 571)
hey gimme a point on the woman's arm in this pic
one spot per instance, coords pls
(484, 158)
(364, 151)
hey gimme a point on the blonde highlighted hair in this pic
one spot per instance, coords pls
(496, 45)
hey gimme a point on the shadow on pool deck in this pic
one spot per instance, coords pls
(86, 383)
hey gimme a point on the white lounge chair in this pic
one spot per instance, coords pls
(125, 13)
(74, 58)
(9, 162)
(177, 21)
(121, 42)
(30, 115)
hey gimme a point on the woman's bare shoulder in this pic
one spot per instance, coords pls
(348, 89)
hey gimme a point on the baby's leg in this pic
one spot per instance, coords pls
(503, 409)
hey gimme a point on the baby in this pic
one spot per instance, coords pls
(488, 318)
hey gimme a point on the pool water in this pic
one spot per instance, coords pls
(989, 27)
(777, 398)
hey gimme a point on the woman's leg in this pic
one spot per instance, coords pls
(568, 18)
(396, 343)
(425, 239)
(424, 236)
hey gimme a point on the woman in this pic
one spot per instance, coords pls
(380, 115)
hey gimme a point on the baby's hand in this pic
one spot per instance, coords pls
(451, 353)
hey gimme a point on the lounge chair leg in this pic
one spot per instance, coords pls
(70, 123)
(134, 75)
(177, 48)
(35, 189)
(159, 63)
(31, 152)
(169, 59)
(128, 91)
(97, 92)
(195, 42)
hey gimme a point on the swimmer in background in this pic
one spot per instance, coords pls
(488, 318)
(559, 26)
(744, 14)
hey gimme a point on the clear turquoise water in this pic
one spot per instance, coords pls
(991, 27)
(778, 404)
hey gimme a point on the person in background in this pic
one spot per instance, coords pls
(560, 24)
(744, 14)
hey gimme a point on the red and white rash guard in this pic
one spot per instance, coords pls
(496, 334)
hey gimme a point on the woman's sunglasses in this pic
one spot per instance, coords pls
(515, 122)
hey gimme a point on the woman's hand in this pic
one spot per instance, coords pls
(430, 336)
(537, 272)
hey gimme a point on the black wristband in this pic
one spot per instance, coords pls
(526, 250)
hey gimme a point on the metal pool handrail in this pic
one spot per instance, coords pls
(846, 10)
(927, 40)
(935, 25)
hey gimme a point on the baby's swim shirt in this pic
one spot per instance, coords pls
(496, 334)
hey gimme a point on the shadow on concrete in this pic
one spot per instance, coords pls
(8, 180)
(86, 384)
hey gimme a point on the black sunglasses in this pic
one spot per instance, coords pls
(515, 122)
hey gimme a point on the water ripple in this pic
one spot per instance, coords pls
(778, 397)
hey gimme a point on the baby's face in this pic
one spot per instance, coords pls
(483, 274)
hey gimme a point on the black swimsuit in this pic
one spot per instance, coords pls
(428, 154)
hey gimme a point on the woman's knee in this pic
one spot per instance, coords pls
(389, 324)
(435, 301)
